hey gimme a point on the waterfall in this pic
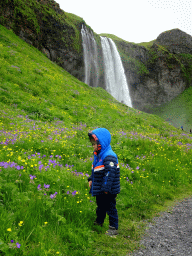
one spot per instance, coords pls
(115, 79)
(114, 74)
(90, 57)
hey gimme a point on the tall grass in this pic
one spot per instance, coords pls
(45, 160)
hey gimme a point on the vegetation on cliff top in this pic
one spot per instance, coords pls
(45, 115)
(29, 15)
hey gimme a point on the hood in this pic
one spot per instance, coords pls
(104, 138)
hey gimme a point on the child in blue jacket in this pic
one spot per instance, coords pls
(105, 179)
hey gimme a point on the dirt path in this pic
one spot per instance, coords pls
(170, 234)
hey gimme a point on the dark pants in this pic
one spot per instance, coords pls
(106, 203)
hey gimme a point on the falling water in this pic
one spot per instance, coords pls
(90, 57)
(116, 82)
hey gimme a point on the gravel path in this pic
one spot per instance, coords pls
(171, 233)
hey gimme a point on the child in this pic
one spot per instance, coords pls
(105, 179)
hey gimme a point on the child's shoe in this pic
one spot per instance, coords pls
(98, 224)
(111, 231)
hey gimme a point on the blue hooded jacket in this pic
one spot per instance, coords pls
(105, 175)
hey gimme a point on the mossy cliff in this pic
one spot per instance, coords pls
(156, 72)
(44, 25)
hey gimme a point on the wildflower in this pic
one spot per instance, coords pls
(137, 167)
(9, 229)
(39, 187)
(57, 252)
(18, 245)
(12, 241)
(45, 223)
(46, 186)
(54, 195)
(32, 176)
(20, 223)
(40, 167)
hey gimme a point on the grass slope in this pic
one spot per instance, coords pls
(45, 159)
(178, 112)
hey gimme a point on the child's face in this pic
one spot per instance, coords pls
(94, 144)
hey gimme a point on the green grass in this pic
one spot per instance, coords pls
(45, 116)
(178, 112)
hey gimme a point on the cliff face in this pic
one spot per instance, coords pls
(44, 25)
(159, 73)
(156, 74)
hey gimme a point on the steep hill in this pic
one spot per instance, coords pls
(46, 157)
(156, 72)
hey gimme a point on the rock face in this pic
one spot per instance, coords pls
(160, 73)
(176, 41)
(44, 25)
(155, 75)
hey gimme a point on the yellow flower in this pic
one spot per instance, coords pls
(57, 252)
(20, 223)
(9, 229)
(45, 223)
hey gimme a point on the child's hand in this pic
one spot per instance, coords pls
(90, 182)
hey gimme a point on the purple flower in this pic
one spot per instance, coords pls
(132, 172)
(46, 186)
(40, 167)
(74, 193)
(32, 177)
(12, 241)
(39, 187)
(137, 168)
(54, 195)
(67, 192)
(18, 245)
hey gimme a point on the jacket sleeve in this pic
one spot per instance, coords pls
(110, 164)
(90, 177)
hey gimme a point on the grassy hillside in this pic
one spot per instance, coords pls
(45, 159)
(178, 112)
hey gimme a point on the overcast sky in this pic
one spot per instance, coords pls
(132, 20)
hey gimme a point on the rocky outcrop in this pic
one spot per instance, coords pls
(176, 41)
(44, 25)
(160, 73)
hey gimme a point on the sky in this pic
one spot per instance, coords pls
(132, 20)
